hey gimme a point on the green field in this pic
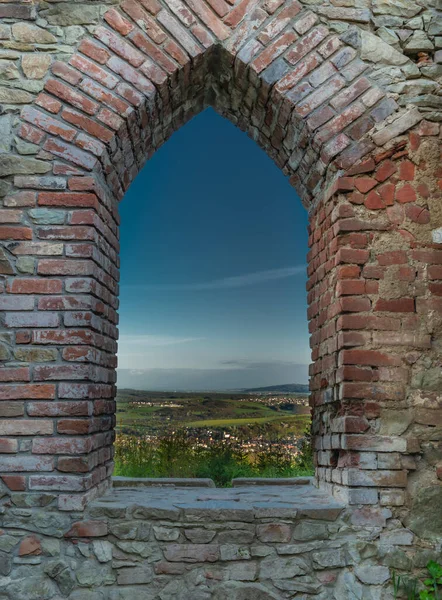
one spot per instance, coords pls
(291, 420)
(156, 411)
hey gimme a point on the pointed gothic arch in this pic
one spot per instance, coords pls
(279, 73)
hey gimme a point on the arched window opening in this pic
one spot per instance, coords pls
(213, 348)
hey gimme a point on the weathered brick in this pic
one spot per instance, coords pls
(71, 96)
(309, 42)
(119, 46)
(87, 529)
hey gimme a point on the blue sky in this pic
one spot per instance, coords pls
(213, 266)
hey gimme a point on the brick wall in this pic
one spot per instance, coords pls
(375, 316)
(89, 92)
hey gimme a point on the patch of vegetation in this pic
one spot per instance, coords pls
(176, 455)
(432, 585)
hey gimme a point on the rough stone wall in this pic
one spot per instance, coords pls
(375, 322)
(155, 546)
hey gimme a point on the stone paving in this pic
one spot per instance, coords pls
(257, 501)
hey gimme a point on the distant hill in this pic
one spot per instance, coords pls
(287, 388)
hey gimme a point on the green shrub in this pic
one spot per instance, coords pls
(177, 455)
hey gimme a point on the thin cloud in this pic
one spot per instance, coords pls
(157, 340)
(229, 282)
(251, 364)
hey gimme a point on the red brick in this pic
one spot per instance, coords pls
(350, 287)
(371, 391)
(71, 96)
(406, 171)
(61, 445)
(294, 76)
(27, 132)
(371, 358)
(120, 47)
(275, 49)
(71, 199)
(314, 100)
(435, 272)
(153, 51)
(330, 46)
(62, 337)
(385, 170)
(365, 184)
(26, 427)
(374, 201)
(88, 125)
(348, 272)
(8, 232)
(152, 6)
(78, 464)
(310, 41)
(395, 305)
(175, 52)
(406, 274)
(94, 71)
(30, 546)
(70, 153)
(238, 13)
(423, 190)
(16, 483)
(87, 529)
(393, 257)
(14, 374)
(350, 93)
(356, 198)
(349, 339)
(8, 446)
(94, 51)
(110, 119)
(406, 194)
(367, 322)
(65, 72)
(354, 373)
(48, 103)
(22, 337)
(220, 7)
(349, 424)
(354, 304)
(118, 22)
(105, 96)
(58, 409)
(373, 272)
(431, 257)
(279, 22)
(386, 192)
(350, 255)
(136, 12)
(64, 267)
(366, 166)
(81, 184)
(417, 214)
(435, 288)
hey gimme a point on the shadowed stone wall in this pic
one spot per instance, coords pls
(170, 543)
